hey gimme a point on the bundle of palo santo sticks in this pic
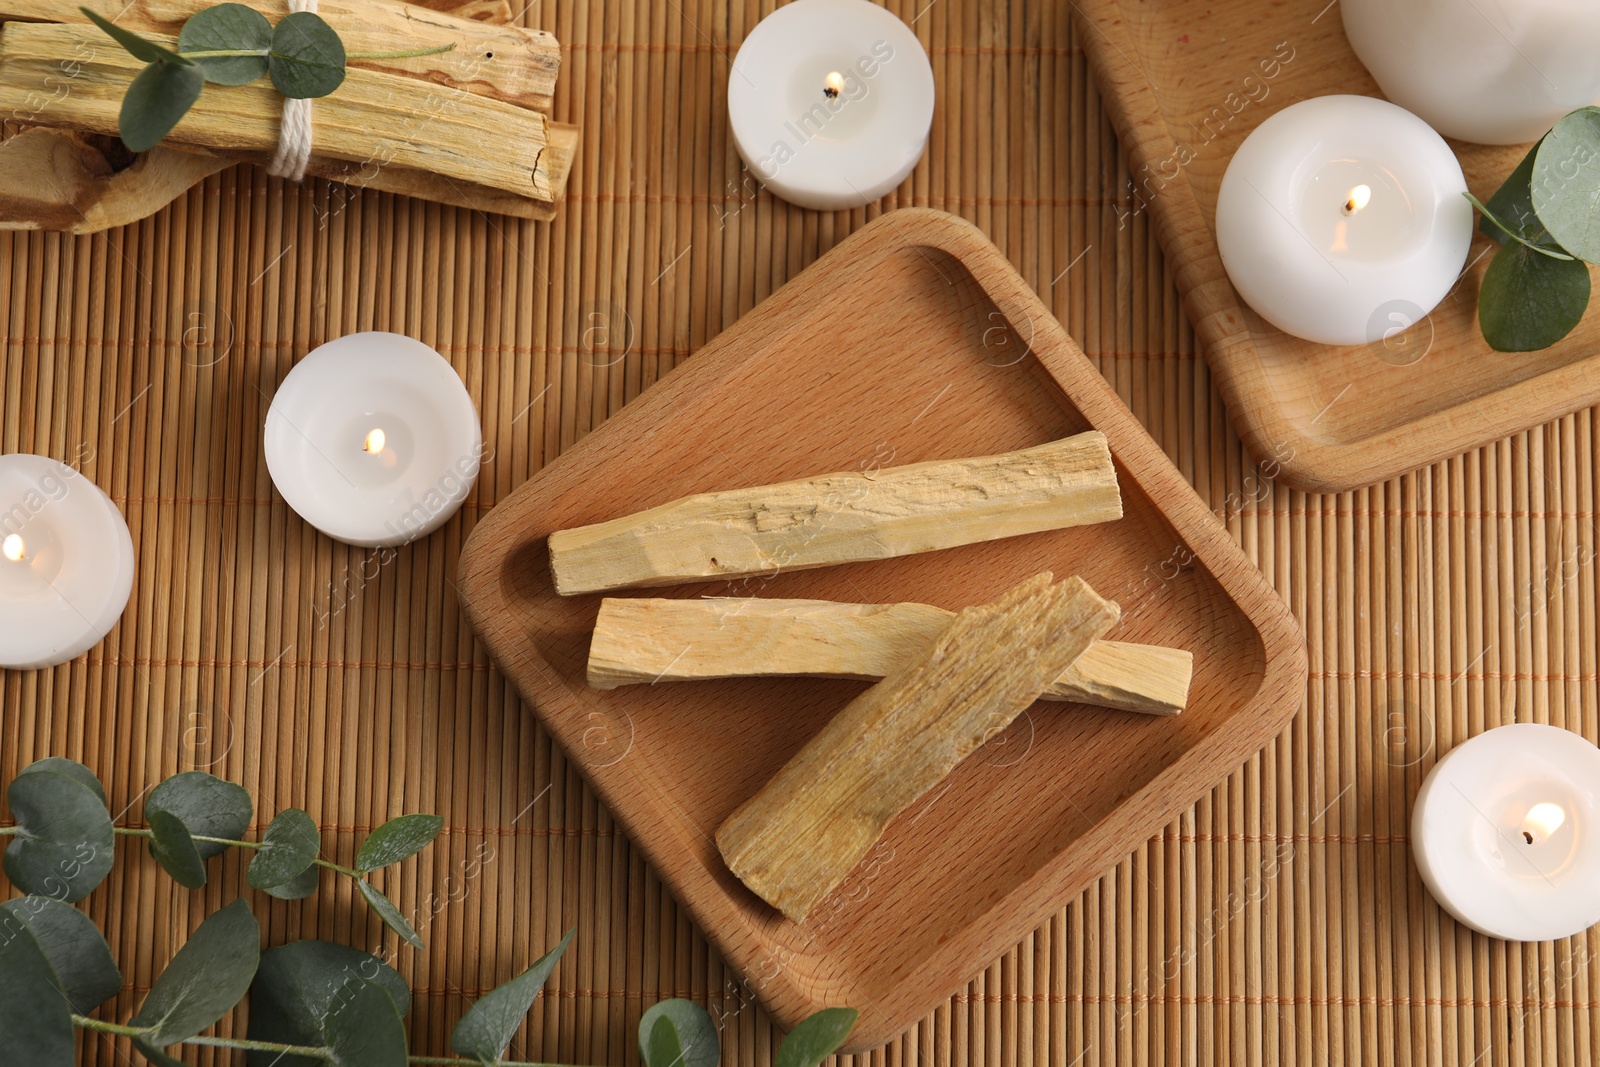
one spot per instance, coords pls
(469, 127)
(950, 680)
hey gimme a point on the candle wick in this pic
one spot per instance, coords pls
(1359, 196)
(1526, 836)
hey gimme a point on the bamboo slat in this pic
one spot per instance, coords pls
(1279, 921)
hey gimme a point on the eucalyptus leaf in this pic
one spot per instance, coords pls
(1512, 204)
(175, 850)
(155, 102)
(487, 1028)
(1566, 183)
(816, 1037)
(206, 978)
(288, 850)
(63, 845)
(71, 769)
(307, 58)
(1528, 301)
(35, 1019)
(396, 840)
(208, 806)
(367, 1031)
(228, 28)
(688, 1037)
(390, 914)
(137, 46)
(299, 887)
(301, 986)
(73, 944)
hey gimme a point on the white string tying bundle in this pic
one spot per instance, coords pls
(294, 128)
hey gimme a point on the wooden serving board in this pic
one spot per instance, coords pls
(1185, 83)
(912, 340)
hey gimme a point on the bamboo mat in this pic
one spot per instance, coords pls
(1279, 921)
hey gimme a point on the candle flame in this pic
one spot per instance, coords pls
(375, 442)
(833, 84)
(14, 548)
(1542, 820)
(1360, 196)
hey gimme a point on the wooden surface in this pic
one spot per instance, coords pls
(922, 379)
(1184, 92)
(1277, 921)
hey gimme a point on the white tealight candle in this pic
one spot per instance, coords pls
(373, 439)
(1491, 71)
(1341, 219)
(66, 563)
(830, 102)
(1505, 834)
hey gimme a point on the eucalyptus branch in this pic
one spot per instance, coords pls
(230, 44)
(312, 1000)
(1511, 232)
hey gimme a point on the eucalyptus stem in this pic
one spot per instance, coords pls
(1513, 234)
(223, 53)
(140, 831)
(406, 55)
(244, 1044)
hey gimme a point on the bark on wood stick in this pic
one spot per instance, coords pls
(501, 62)
(797, 838)
(648, 640)
(58, 75)
(841, 518)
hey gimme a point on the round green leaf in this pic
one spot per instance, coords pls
(72, 769)
(137, 46)
(1566, 183)
(1528, 301)
(287, 851)
(487, 1028)
(35, 1019)
(301, 986)
(678, 1033)
(158, 98)
(307, 57)
(207, 977)
(228, 27)
(367, 1031)
(397, 839)
(297, 888)
(208, 806)
(816, 1037)
(63, 845)
(76, 949)
(390, 914)
(174, 849)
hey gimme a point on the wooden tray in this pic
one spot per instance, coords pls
(1182, 80)
(912, 340)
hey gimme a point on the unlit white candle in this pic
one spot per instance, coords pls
(66, 563)
(1340, 219)
(373, 439)
(830, 102)
(1491, 71)
(1505, 833)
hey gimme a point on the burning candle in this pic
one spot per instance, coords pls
(1491, 71)
(66, 563)
(373, 439)
(1341, 219)
(1504, 833)
(830, 102)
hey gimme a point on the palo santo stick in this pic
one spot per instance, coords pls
(643, 640)
(57, 75)
(797, 838)
(840, 518)
(502, 62)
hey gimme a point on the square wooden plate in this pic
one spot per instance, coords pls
(1185, 83)
(912, 340)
